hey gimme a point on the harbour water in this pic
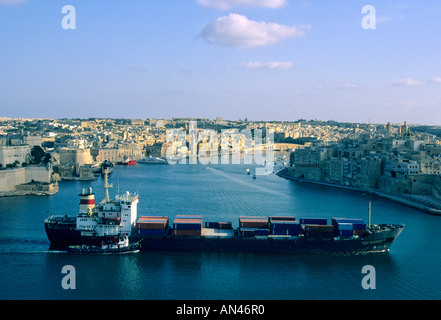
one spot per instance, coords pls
(29, 270)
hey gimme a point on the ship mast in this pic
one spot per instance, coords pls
(106, 185)
(369, 214)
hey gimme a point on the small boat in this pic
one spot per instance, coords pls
(152, 160)
(127, 161)
(120, 245)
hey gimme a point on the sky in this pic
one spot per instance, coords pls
(268, 60)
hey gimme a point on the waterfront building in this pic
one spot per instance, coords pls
(11, 154)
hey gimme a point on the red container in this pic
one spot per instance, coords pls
(253, 222)
(151, 224)
(153, 218)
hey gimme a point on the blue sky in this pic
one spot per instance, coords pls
(261, 59)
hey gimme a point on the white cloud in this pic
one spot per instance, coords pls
(12, 2)
(437, 79)
(273, 65)
(236, 30)
(408, 82)
(349, 85)
(229, 4)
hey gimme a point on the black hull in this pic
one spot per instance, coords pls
(63, 236)
(377, 242)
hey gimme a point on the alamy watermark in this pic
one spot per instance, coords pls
(69, 20)
(369, 21)
(230, 146)
(369, 280)
(69, 280)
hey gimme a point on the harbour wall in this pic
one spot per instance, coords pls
(10, 178)
(408, 202)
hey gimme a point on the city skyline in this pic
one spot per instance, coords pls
(272, 60)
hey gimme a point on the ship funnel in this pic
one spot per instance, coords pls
(87, 201)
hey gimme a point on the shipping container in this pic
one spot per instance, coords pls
(151, 224)
(261, 232)
(192, 233)
(279, 227)
(314, 221)
(281, 218)
(253, 222)
(285, 224)
(317, 227)
(345, 226)
(187, 224)
(253, 232)
(359, 224)
(216, 233)
(318, 231)
(225, 225)
(247, 232)
(213, 225)
(153, 218)
(219, 225)
(285, 232)
(346, 233)
(152, 232)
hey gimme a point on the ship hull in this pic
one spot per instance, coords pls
(63, 236)
(378, 242)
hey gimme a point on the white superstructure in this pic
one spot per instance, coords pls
(109, 217)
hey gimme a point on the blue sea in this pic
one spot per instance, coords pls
(29, 270)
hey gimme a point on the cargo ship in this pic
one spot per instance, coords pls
(274, 234)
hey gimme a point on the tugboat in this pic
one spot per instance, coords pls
(120, 245)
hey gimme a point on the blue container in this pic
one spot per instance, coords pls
(285, 225)
(251, 232)
(346, 233)
(291, 228)
(213, 225)
(187, 226)
(358, 224)
(151, 232)
(261, 232)
(285, 232)
(279, 218)
(247, 232)
(317, 221)
(345, 226)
